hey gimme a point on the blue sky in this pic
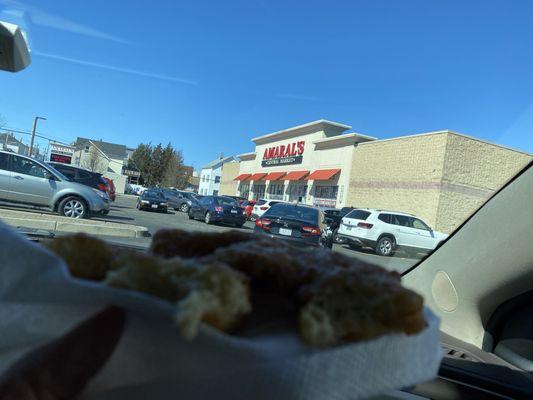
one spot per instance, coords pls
(210, 75)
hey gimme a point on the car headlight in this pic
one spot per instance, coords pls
(162, 204)
(145, 202)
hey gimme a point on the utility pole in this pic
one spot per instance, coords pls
(33, 132)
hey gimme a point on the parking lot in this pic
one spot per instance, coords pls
(123, 211)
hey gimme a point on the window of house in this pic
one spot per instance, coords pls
(217, 179)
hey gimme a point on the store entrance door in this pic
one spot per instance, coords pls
(297, 193)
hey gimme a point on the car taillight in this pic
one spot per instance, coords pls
(311, 231)
(263, 223)
(364, 225)
(102, 187)
(219, 209)
(263, 208)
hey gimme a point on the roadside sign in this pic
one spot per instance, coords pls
(61, 153)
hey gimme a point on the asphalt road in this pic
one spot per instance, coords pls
(123, 210)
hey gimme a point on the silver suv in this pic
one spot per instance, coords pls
(26, 180)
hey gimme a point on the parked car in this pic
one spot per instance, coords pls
(186, 199)
(333, 220)
(152, 199)
(260, 208)
(26, 180)
(296, 223)
(248, 206)
(172, 198)
(83, 176)
(112, 191)
(388, 231)
(214, 209)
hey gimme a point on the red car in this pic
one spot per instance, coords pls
(110, 188)
(248, 206)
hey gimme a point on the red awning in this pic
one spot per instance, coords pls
(256, 177)
(273, 176)
(323, 174)
(242, 177)
(295, 175)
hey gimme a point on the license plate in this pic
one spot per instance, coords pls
(234, 211)
(154, 205)
(286, 232)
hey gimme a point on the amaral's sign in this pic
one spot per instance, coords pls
(61, 153)
(291, 153)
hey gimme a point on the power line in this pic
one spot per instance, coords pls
(29, 133)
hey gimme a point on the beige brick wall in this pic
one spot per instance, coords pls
(473, 171)
(399, 174)
(441, 177)
(454, 208)
(227, 185)
(479, 164)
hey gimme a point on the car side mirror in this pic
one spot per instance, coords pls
(15, 54)
(48, 175)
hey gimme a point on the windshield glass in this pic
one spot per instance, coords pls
(361, 135)
(153, 193)
(289, 211)
(226, 201)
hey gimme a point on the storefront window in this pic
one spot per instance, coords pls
(244, 189)
(275, 191)
(325, 196)
(259, 191)
(297, 192)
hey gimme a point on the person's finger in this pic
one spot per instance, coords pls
(61, 369)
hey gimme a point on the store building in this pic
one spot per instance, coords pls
(309, 163)
(440, 176)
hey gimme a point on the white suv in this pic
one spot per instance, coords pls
(388, 231)
(261, 207)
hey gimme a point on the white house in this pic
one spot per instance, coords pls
(106, 158)
(210, 176)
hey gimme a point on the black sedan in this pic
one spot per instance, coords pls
(298, 224)
(214, 209)
(152, 199)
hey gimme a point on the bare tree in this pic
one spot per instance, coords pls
(93, 161)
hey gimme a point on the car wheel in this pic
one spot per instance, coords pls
(190, 214)
(337, 239)
(184, 208)
(73, 207)
(385, 246)
(207, 218)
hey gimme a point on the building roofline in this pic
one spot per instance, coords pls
(350, 138)
(447, 131)
(285, 132)
(247, 156)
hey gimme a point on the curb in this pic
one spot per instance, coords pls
(62, 224)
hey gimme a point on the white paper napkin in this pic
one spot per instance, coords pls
(40, 301)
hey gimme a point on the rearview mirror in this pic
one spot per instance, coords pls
(14, 50)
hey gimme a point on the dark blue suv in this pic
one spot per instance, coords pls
(214, 209)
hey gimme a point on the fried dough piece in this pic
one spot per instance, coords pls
(357, 303)
(86, 256)
(203, 292)
(340, 299)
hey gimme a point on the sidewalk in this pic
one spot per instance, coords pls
(50, 222)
